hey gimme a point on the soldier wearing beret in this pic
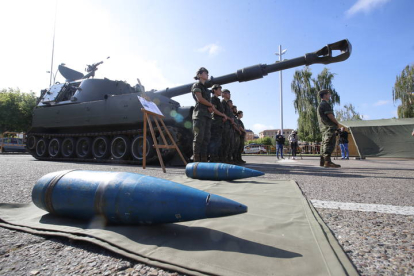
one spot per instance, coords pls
(219, 118)
(328, 125)
(201, 116)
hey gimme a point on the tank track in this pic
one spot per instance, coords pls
(166, 154)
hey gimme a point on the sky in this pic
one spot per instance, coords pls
(163, 43)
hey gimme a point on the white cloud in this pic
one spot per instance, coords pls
(381, 102)
(260, 127)
(365, 6)
(212, 49)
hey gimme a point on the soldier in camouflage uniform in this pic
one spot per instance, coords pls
(219, 118)
(201, 116)
(328, 125)
(236, 131)
(228, 133)
(242, 136)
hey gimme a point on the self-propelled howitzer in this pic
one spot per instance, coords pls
(87, 119)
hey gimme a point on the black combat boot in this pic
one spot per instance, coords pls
(322, 162)
(214, 159)
(196, 158)
(330, 164)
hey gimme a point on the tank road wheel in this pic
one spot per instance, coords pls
(101, 147)
(31, 142)
(138, 148)
(42, 147)
(54, 147)
(121, 147)
(84, 147)
(68, 147)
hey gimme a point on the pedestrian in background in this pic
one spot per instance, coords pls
(293, 140)
(328, 125)
(201, 116)
(343, 142)
(280, 141)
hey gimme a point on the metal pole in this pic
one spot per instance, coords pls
(53, 47)
(281, 92)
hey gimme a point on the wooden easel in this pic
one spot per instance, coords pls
(156, 117)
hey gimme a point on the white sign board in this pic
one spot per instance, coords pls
(150, 106)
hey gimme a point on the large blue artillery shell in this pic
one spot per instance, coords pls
(127, 198)
(218, 171)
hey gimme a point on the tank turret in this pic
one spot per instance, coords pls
(100, 120)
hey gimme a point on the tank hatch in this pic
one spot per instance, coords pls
(51, 95)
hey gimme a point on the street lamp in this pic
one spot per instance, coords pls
(281, 91)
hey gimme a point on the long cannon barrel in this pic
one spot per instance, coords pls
(322, 56)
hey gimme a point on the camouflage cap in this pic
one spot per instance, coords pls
(225, 91)
(200, 71)
(216, 86)
(323, 92)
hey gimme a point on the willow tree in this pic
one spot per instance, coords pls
(404, 90)
(347, 113)
(307, 100)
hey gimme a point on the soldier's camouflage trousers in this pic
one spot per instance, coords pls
(201, 131)
(215, 140)
(328, 142)
(236, 143)
(227, 142)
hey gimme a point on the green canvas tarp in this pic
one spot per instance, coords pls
(281, 234)
(383, 138)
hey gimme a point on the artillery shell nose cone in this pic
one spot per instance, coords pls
(219, 171)
(217, 206)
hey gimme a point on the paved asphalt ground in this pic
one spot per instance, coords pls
(378, 243)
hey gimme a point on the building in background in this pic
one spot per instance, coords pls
(249, 135)
(272, 133)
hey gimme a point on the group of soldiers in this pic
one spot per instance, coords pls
(218, 130)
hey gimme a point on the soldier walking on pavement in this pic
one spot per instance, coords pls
(328, 125)
(219, 118)
(201, 116)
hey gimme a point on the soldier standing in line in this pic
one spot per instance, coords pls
(328, 125)
(242, 137)
(236, 131)
(227, 144)
(201, 116)
(219, 118)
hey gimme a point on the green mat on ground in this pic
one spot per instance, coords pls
(280, 235)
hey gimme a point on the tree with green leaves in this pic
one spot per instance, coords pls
(307, 100)
(264, 141)
(347, 113)
(16, 110)
(404, 90)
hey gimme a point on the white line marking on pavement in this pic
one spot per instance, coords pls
(364, 207)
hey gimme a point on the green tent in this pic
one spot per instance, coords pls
(383, 138)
